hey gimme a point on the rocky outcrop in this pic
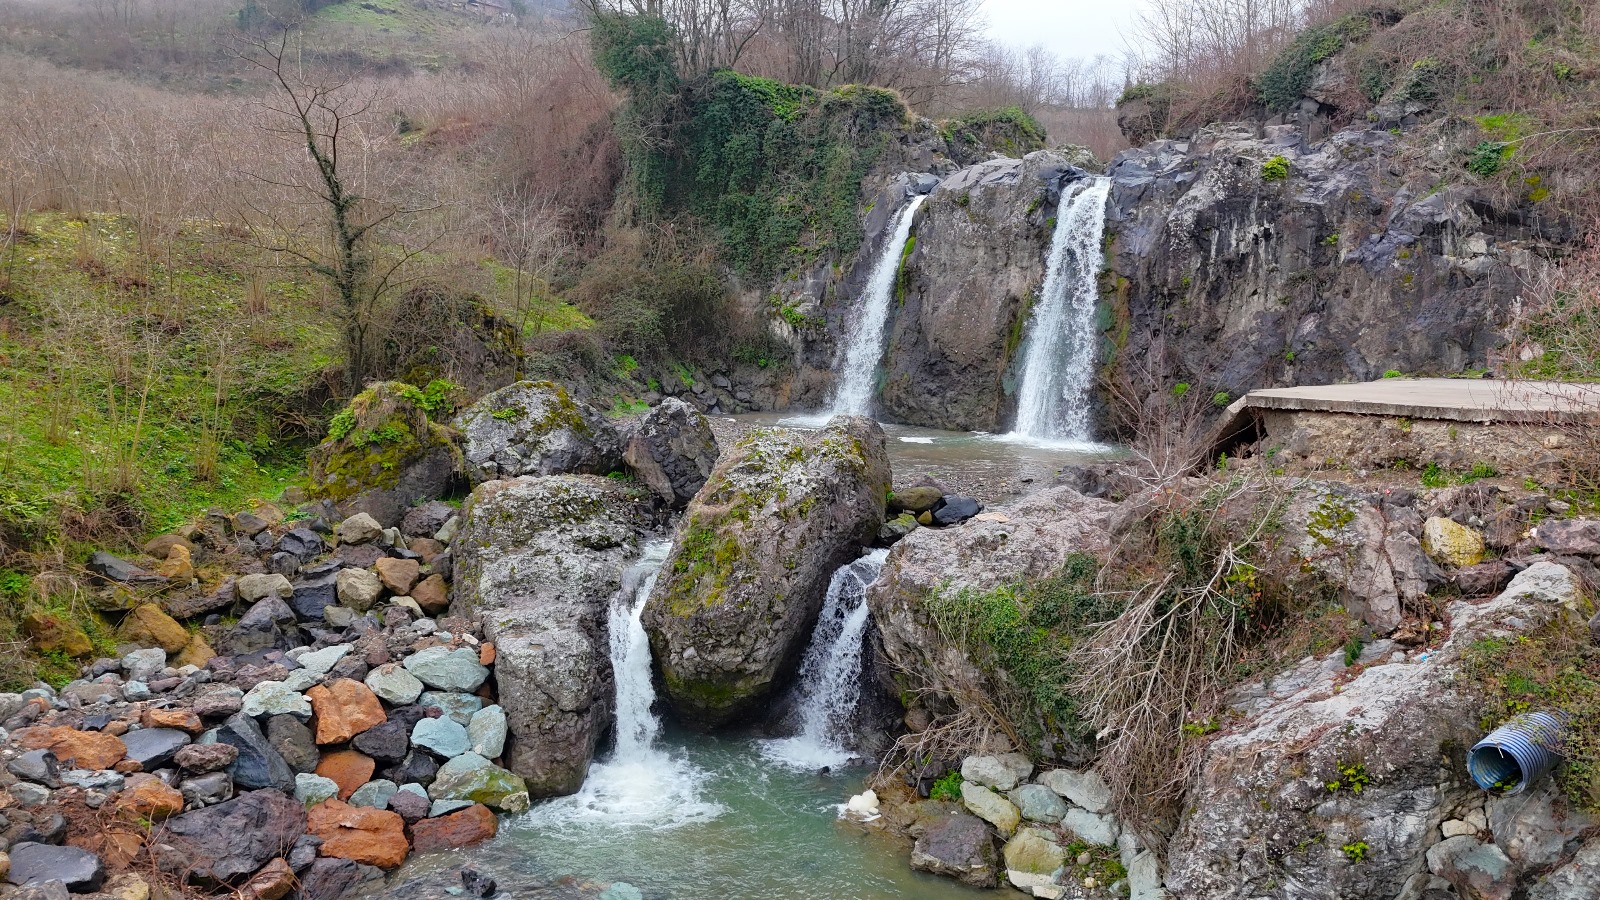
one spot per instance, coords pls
(539, 560)
(1275, 799)
(750, 564)
(536, 428)
(673, 451)
(967, 290)
(1030, 539)
(382, 455)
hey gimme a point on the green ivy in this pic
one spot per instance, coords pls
(1285, 81)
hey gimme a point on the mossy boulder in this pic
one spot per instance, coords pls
(383, 454)
(536, 428)
(53, 634)
(538, 560)
(737, 597)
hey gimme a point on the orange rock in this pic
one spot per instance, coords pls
(376, 837)
(462, 828)
(116, 843)
(181, 719)
(398, 575)
(486, 653)
(348, 769)
(432, 595)
(128, 767)
(198, 653)
(274, 881)
(428, 548)
(147, 797)
(179, 564)
(75, 749)
(344, 709)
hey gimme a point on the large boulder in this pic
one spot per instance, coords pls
(383, 455)
(535, 428)
(673, 451)
(1283, 775)
(227, 843)
(1030, 539)
(959, 846)
(539, 560)
(737, 597)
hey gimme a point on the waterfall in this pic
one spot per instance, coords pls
(830, 676)
(640, 784)
(1053, 399)
(858, 372)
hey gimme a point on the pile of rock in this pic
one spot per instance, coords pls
(925, 503)
(1013, 827)
(340, 728)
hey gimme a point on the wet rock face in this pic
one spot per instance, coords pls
(1282, 776)
(979, 261)
(1349, 264)
(735, 601)
(536, 428)
(1029, 539)
(539, 561)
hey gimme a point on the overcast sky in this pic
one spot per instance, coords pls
(1080, 28)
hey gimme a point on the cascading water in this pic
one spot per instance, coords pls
(830, 675)
(639, 784)
(1053, 398)
(858, 372)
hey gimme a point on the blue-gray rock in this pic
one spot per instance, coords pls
(312, 789)
(276, 698)
(375, 794)
(443, 737)
(487, 731)
(115, 568)
(446, 669)
(321, 662)
(93, 779)
(143, 665)
(38, 766)
(206, 790)
(446, 807)
(392, 683)
(954, 509)
(417, 768)
(33, 864)
(459, 707)
(1038, 803)
(227, 843)
(258, 765)
(153, 748)
(293, 741)
(303, 543)
(313, 596)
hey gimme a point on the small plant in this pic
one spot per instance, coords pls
(509, 414)
(1221, 398)
(1201, 728)
(341, 424)
(1488, 157)
(1478, 472)
(1394, 373)
(1353, 777)
(1356, 851)
(1435, 477)
(1331, 240)
(1181, 388)
(946, 787)
(1275, 169)
(1352, 651)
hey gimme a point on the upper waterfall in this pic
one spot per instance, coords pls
(1058, 368)
(858, 369)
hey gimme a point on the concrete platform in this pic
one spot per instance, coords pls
(1448, 399)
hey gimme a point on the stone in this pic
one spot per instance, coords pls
(143, 665)
(897, 528)
(1094, 829)
(1001, 772)
(384, 479)
(206, 790)
(38, 766)
(28, 795)
(149, 798)
(443, 737)
(398, 576)
(116, 569)
(197, 652)
(431, 594)
(311, 789)
(536, 428)
(154, 748)
(471, 777)
(255, 588)
(218, 700)
(199, 759)
(227, 843)
(1569, 537)
(313, 596)
(1032, 858)
(348, 768)
(294, 742)
(473, 825)
(478, 884)
(487, 731)
(411, 807)
(960, 847)
(425, 520)
(358, 589)
(93, 779)
(1482, 868)
(447, 669)
(332, 879)
(52, 634)
(177, 565)
(371, 836)
(1579, 877)
(446, 807)
(82, 749)
(447, 532)
(303, 544)
(991, 807)
(1534, 827)
(418, 767)
(1452, 544)
(755, 552)
(385, 743)
(460, 707)
(374, 794)
(258, 764)
(360, 528)
(80, 871)
(1038, 803)
(1085, 789)
(126, 886)
(344, 708)
(953, 510)
(673, 451)
(321, 662)
(391, 682)
(1483, 579)
(275, 880)
(916, 499)
(158, 547)
(172, 717)
(1547, 583)
(276, 698)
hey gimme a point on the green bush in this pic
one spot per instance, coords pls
(1008, 129)
(1275, 169)
(947, 787)
(1289, 75)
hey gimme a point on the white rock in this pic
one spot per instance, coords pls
(1085, 789)
(321, 662)
(359, 529)
(1456, 828)
(1001, 772)
(1102, 830)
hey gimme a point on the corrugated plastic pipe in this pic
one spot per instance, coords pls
(1518, 753)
